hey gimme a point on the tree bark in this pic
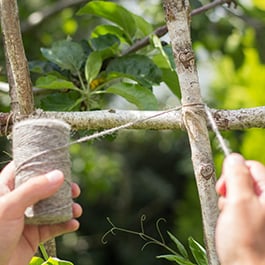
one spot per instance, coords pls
(240, 119)
(16, 62)
(194, 118)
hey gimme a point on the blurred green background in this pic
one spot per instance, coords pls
(137, 173)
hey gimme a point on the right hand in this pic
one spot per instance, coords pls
(240, 231)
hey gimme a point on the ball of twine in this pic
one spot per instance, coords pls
(40, 146)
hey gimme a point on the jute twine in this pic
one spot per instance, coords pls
(40, 146)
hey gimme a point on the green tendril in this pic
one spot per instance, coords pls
(150, 240)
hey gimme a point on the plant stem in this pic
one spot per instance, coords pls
(43, 252)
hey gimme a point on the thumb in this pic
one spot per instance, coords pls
(237, 176)
(32, 191)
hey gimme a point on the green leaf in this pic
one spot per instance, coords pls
(61, 101)
(140, 67)
(67, 54)
(108, 29)
(179, 245)
(41, 67)
(161, 59)
(142, 26)
(112, 12)
(108, 45)
(198, 252)
(53, 82)
(36, 261)
(56, 261)
(171, 79)
(105, 41)
(93, 66)
(140, 96)
(169, 52)
(177, 258)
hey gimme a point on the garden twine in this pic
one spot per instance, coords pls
(40, 146)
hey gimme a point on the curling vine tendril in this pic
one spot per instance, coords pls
(149, 239)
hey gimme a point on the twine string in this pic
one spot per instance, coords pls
(94, 136)
(222, 142)
(124, 126)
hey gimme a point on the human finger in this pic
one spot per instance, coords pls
(31, 192)
(75, 190)
(220, 186)
(238, 180)
(8, 175)
(77, 210)
(258, 174)
(221, 203)
(48, 232)
(3, 189)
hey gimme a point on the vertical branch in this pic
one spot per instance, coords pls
(20, 88)
(194, 118)
(16, 62)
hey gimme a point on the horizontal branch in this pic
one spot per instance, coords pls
(106, 119)
(240, 119)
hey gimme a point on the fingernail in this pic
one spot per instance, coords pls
(54, 176)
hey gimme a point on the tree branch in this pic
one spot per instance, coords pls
(241, 119)
(161, 31)
(194, 118)
(17, 66)
(38, 17)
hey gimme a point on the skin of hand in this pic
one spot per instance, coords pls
(18, 241)
(240, 231)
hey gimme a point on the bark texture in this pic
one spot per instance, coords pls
(240, 119)
(194, 118)
(16, 62)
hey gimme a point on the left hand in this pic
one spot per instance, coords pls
(18, 241)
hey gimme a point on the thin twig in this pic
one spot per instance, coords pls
(161, 31)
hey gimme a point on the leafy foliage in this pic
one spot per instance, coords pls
(49, 261)
(198, 252)
(99, 66)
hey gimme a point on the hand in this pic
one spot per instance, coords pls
(240, 232)
(19, 242)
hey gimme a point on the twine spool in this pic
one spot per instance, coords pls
(39, 146)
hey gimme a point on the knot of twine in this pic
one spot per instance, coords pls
(40, 146)
(192, 107)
